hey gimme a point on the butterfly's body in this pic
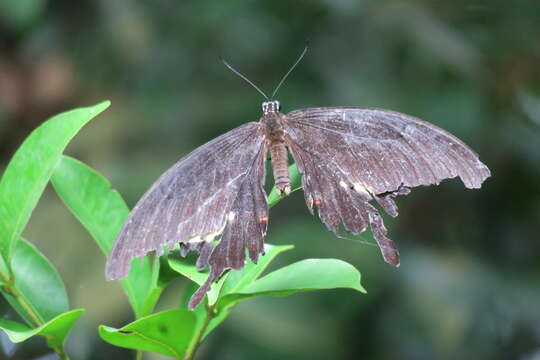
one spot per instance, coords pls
(350, 159)
(275, 134)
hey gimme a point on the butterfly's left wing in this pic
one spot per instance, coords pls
(215, 190)
(351, 156)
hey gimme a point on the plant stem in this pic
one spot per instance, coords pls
(11, 289)
(61, 353)
(138, 355)
(36, 320)
(194, 346)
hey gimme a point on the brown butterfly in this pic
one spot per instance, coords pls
(349, 157)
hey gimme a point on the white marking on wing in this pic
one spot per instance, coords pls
(195, 239)
(211, 236)
(363, 189)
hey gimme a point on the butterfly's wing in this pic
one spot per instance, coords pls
(350, 156)
(217, 190)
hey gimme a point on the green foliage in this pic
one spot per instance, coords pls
(28, 281)
(234, 286)
(31, 167)
(237, 280)
(168, 333)
(33, 287)
(54, 330)
(37, 283)
(102, 212)
(306, 275)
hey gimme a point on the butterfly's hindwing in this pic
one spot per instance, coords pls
(191, 204)
(246, 227)
(350, 156)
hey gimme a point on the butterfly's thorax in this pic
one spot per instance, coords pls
(275, 135)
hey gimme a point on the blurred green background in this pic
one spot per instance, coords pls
(469, 283)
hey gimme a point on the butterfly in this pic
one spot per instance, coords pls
(350, 158)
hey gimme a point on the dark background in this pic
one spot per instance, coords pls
(468, 286)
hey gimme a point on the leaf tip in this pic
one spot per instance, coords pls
(98, 108)
(104, 329)
(361, 289)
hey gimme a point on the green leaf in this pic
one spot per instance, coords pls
(31, 167)
(37, 292)
(188, 270)
(296, 184)
(55, 330)
(238, 279)
(305, 275)
(102, 211)
(232, 279)
(199, 277)
(162, 275)
(230, 282)
(168, 333)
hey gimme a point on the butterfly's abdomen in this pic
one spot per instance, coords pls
(278, 152)
(280, 166)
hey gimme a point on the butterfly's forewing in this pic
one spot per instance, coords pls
(350, 156)
(247, 221)
(201, 197)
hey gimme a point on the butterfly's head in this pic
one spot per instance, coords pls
(270, 107)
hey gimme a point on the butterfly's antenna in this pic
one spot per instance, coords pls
(288, 72)
(243, 77)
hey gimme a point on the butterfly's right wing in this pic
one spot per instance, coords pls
(351, 156)
(217, 189)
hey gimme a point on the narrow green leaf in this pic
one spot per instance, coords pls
(38, 289)
(309, 274)
(31, 167)
(231, 280)
(168, 333)
(102, 211)
(55, 330)
(188, 270)
(229, 283)
(199, 277)
(305, 275)
(162, 276)
(238, 279)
